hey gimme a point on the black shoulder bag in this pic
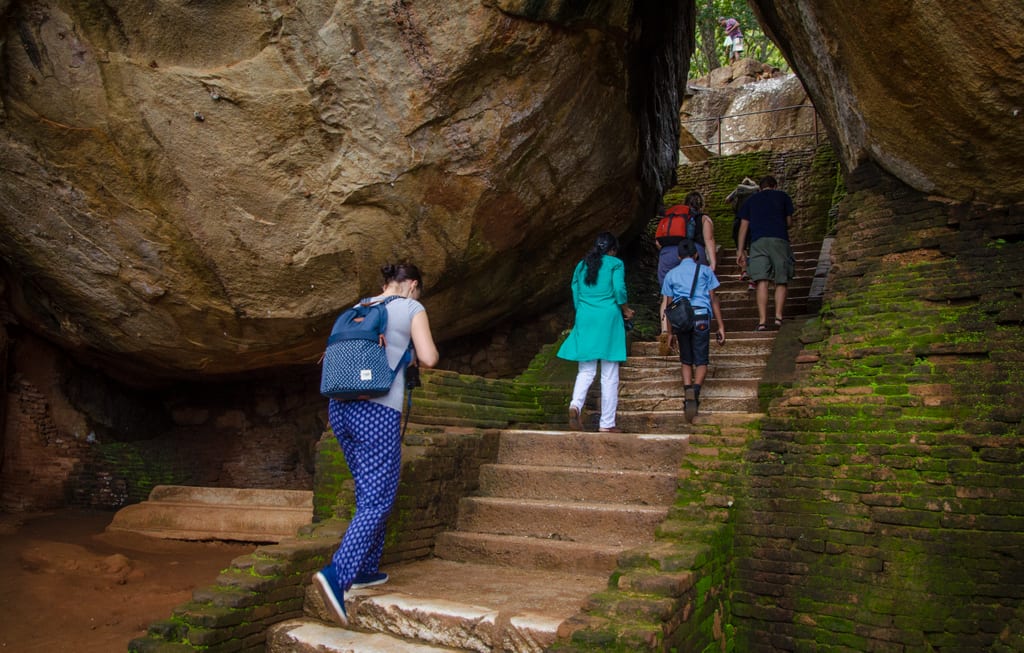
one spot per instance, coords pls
(680, 311)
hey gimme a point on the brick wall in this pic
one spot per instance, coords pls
(884, 508)
(72, 437)
(37, 456)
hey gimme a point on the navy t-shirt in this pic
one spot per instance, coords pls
(767, 211)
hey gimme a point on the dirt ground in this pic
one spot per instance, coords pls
(67, 586)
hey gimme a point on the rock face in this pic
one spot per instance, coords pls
(746, 107)
(928, 90)
(196, 188)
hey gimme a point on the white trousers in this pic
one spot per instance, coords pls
(609, 389)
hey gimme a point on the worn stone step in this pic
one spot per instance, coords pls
(735, 313)
(527, 552)
(466, 606)
(747, 344)
(616, 524)
(577, 484)
(668, 368)
(672, 372)
(208, 513)
(310, 636)
(729, 420)
(673, 387)
(669, 419)
(708, 404)
(637, 451)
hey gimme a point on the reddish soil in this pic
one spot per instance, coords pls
(66, 585)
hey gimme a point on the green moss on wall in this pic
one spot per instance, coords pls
(888, 471)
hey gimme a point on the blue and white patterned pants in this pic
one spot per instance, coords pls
(370, 437)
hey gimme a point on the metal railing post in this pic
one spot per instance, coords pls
(719, 135)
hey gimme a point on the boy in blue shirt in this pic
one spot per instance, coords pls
(693, 346)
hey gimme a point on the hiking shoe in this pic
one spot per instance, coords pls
(369, 580)
(575, 419)
(326, 583)
(690, 404)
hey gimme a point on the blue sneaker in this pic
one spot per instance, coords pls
(369, 580)
(326, 583)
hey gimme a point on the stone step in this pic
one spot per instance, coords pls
(208, 513)
(577, 484)
(669, 369)
(658, 388)
(527, 552)
(670, 418)
(709, 403)
(309, 636)
(638, 366)
(460, 606)
(615, 524)
(644, 452)
(744, 344)
(746, 306)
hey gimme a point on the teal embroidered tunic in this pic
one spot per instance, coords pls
(599, 333)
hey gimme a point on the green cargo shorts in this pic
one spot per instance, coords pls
(771, 259)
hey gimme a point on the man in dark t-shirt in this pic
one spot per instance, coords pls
(765, 216)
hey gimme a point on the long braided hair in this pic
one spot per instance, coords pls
(605, 242)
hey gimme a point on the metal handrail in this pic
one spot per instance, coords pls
(719, 119)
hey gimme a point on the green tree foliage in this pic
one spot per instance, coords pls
(709, 52)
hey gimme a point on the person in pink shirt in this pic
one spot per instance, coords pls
(735, 37)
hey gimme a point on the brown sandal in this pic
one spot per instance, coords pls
(575, 419)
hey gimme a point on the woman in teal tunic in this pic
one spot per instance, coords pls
(599, 295)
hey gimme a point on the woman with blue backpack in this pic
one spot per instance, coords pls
(369, 433)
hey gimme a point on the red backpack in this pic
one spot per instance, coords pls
(677, 223)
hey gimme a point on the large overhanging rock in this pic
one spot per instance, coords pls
(196, 188)
(930, 90)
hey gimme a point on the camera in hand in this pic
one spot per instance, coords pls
(412, 377)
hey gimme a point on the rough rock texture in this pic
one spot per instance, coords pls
(746, 107)
(929, 90)
(197, 188)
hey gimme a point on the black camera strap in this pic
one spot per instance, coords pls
(411, 381)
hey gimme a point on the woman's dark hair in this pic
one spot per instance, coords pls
(696, 203)
(400, 272)
(605, 242)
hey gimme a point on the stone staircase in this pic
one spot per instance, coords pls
(559, 511)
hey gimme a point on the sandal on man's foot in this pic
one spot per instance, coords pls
(761, 327)
(778, 323)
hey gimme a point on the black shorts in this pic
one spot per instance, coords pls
(695, 345)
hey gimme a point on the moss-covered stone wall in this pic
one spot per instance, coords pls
(811, 176)
(885, 501)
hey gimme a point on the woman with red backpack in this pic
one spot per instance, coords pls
(686, 221)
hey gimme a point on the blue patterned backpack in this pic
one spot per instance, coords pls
(355, 364)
